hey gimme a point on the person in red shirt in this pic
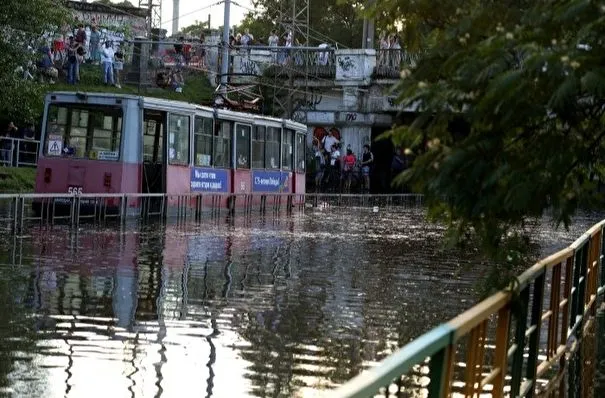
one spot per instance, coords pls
(349, 163)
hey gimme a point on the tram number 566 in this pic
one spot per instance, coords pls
(74, 190)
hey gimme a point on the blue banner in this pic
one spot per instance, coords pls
(209, 180)
(270, 181)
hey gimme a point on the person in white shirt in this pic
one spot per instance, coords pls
(273, 42)
(247, 38)
(323, 56)
(329, 141)
(107, 63)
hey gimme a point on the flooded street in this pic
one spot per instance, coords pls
(274, 306)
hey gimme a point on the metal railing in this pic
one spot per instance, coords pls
(18, 152)
(390, 62)
(17, 210)
(312, 62)
(525, 341)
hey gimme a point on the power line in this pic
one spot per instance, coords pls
(294, 90)
(195, 11)
(321, 36)
(124, 12)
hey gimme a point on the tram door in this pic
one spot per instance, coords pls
(154, 159)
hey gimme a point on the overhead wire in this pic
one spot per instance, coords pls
(124, 12)
(282, 14)
(285, 67)
(303, 74)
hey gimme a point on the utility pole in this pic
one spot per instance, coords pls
(225, 63)
(294, 17)
(368, 29)
(175, 17)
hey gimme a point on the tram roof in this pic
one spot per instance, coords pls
(187, 106)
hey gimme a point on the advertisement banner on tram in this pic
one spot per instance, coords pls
(270, 181)
(209, 180)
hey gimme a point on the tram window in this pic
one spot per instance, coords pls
(78, 132)
(272, 148)
(92, 132)
(300, 152)
(106, 132)
(152, 136)
(242, 146)
(222, 144)
(178, 139)
(203, 141)
(287, 154)
(258, 147)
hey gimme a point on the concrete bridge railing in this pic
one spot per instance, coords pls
(536, 338)
(354, 66)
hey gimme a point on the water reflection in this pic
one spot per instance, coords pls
(263, 307)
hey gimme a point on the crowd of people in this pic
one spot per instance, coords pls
(335, 171)
(389, 53)
(64, 53)
(347, 173)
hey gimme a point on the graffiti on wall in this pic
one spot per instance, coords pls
(122, 22)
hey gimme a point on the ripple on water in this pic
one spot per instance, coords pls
(253, 307)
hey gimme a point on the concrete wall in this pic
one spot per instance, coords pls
(352, 102)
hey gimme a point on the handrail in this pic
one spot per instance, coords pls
(366, 384)
(15, 153)
(570, 304)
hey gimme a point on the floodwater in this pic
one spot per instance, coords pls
(267, 307)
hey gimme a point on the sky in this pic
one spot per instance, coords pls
(192, 10)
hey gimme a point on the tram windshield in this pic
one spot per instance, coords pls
(83, 131)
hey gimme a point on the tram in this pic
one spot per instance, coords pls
(114, 143)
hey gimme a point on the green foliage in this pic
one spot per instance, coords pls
(197, 88)
(17, 179)
(24, 22)
(530, 95)
(195, 30)
(330, 21)
(124, 4)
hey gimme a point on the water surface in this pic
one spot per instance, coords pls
(274, 306)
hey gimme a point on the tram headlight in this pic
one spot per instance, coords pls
(107, 180)
(48, 173)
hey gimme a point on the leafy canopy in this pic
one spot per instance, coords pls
(512, 100)
(330, 21)
(195, 30)
(23, 23)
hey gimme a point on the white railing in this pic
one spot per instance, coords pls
(18, 152)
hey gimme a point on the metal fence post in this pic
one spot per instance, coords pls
(520, 326)
(440, 372)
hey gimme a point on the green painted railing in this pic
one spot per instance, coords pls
(536, 338)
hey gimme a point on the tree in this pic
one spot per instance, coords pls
(330, 20)
(526, 81)
(123, 4)
(196, 29)
(24, 22)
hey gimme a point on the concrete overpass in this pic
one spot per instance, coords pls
(344, 89)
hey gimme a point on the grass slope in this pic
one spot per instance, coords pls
(197, 89)
(14, 180)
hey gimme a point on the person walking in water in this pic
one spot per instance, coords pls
(367, 161)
